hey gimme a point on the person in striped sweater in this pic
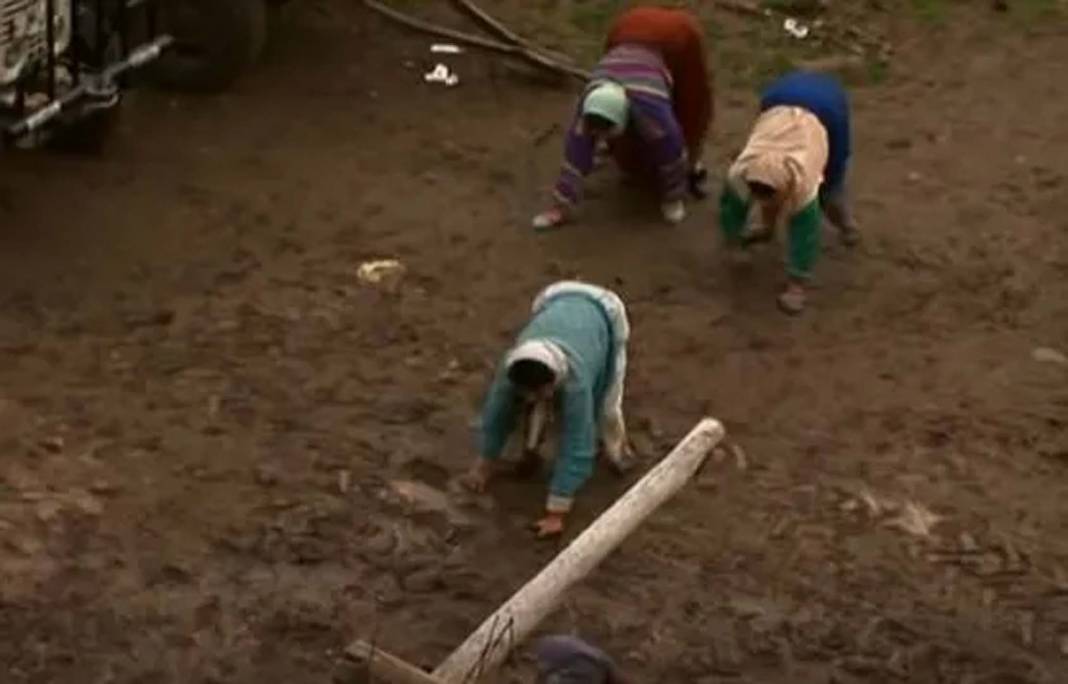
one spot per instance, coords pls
(650, 101)
(793, 169)
(572, 354)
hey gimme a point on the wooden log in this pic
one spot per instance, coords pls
(483, 651)
(388, 668)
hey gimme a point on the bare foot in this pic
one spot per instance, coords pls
(552, 525)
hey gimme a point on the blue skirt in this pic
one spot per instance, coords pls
(825, 97)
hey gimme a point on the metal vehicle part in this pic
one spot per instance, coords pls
(216, 41)
(62, 61)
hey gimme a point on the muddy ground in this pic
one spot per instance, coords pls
(205, 415)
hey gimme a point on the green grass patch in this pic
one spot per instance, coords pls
(933, 11)
(594, 16)
(796, 7)
(1037, 10)
(770, 66)
(878, 71)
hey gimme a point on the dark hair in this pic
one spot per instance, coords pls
(530, 374)
(598, 122)
(761, 190)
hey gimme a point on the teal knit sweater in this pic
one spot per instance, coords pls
(579, 326)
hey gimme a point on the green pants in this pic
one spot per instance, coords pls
(803, 231)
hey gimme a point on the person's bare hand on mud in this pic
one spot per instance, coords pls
(478, 477)
(552, 525)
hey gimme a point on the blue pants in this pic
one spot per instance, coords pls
(825, 97)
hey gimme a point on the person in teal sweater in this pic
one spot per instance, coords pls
(572, 354)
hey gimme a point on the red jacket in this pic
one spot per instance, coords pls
(677, 36)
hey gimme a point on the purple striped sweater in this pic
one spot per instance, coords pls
(652, 128)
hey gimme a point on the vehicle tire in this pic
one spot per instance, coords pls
(88, 135)
(215, 41)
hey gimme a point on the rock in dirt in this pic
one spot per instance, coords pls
(423, 580)
(915, 519)
(344, 481)
(384, 273)
(85, 503)
(54, 444)
(16, 339)
(46, 510)
(423, 498)
(25, 545)
(861, 665)
(381, 543)
(1047, 355)
(104, 488)
(267, 475)
(386, 591)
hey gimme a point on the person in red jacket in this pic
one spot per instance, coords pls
(650, 100)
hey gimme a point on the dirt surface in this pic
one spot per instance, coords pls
(224, 457)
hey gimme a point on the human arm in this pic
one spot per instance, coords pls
(578, 448)
(499, 413)
(579, 151)
(665, 148)
(733, 214)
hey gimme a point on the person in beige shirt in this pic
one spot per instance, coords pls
(791, 171)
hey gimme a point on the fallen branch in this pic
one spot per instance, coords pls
(882, 47)
(535, 600)
(495, 27)
(488, 22)
(513, 50)
(746, 8)
(388, 668)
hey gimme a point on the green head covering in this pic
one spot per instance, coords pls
(607, 100)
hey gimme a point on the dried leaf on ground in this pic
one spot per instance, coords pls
(915, 519)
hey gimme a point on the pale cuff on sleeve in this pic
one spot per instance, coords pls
(558, 504)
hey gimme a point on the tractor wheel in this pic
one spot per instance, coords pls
(215, 41)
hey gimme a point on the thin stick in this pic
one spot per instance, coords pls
(535, 600)
(487, 22)
(517, 51)
(505, 34)
(753, 10)
(389, 668)
(743, 8)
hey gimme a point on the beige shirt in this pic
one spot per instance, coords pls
(787, 150)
